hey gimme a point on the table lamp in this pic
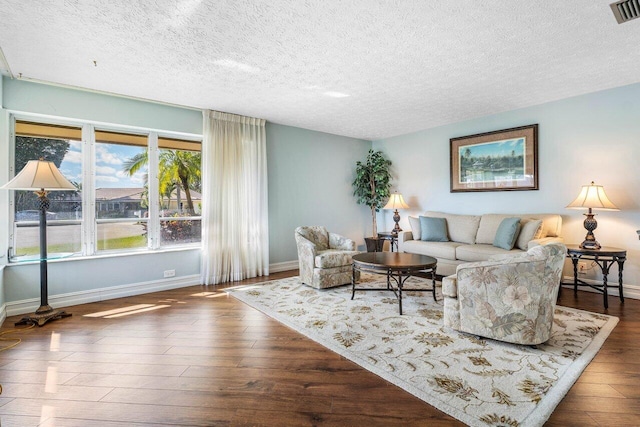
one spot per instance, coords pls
(396, 202)
(41, 176)
(592, 197)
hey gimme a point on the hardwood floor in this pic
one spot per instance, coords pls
(208, 359)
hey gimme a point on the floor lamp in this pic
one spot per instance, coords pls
(41, 176)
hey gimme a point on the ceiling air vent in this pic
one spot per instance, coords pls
(626, 10)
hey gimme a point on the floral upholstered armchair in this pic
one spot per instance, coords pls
(324, 258)
(510, 299)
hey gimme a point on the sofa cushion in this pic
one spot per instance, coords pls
(531, 229)
(414, 223)
(334, 258)
(474, 253)
(433, 229)
(488, 227)
(435, 249)
(489, 223)
(507, 233)
(551, 225)
(337, 241)
(507, 255)
(460, 228)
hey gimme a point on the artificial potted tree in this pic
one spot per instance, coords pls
(372, 187)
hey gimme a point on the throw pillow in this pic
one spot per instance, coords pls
(528, 232)
(542, 232)
(507, 233)
(414, 222)
(433, 229)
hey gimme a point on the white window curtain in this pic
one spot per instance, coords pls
(235, 239)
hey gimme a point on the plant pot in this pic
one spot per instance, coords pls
(373, 244)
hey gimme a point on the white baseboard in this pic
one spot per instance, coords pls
(630, 291)
(83, 297)
(283, 266)
(3, 313)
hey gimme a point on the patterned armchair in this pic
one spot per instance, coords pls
(324, 258)
(510, 299)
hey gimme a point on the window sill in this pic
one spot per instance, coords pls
(108, 255)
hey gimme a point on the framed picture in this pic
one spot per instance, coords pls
(503, 160)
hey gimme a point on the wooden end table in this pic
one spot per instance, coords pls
(603, 257)
(398, 267)
(391, 237)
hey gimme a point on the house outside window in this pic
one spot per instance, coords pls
(64, 216)
(120, 190)
(116, 206)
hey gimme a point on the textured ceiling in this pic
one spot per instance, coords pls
(363, 68)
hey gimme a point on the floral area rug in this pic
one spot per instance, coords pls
(481, 382)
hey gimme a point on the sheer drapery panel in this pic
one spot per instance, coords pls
(235, 240)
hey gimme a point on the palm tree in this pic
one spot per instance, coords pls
(166, 190)
(183, 168)
(179, 168)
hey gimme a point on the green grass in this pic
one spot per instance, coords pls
(123, 243)
(109, 244)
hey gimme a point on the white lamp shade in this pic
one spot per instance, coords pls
(39, 175)
(592, 196)
(396, 202)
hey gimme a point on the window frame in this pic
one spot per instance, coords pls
(89, 222)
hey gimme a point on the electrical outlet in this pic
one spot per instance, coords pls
(582, 267)
(169, 273)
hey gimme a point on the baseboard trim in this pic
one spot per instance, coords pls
(83, 297)
(630, 291)
(95, 295)
(3, 313)
(283, 266)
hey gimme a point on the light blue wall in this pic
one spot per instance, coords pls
(24, 96)
(590, 137)
(69, 276)
(4, 199)
(75, 275)
(310, 175)
(3, 299)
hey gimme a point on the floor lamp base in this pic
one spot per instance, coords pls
(42, 316)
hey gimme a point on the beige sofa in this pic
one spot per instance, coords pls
(471, 238)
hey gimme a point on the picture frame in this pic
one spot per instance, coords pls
(502, 160)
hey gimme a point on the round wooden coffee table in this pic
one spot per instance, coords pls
(398, 267)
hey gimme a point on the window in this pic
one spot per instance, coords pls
(179, 191)
(61, 145)
(124, 209)
(121, 190)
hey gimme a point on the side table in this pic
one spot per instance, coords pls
(604, 258)
(391, 237)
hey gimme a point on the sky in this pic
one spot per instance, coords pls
(496, 148)
(109, 163)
